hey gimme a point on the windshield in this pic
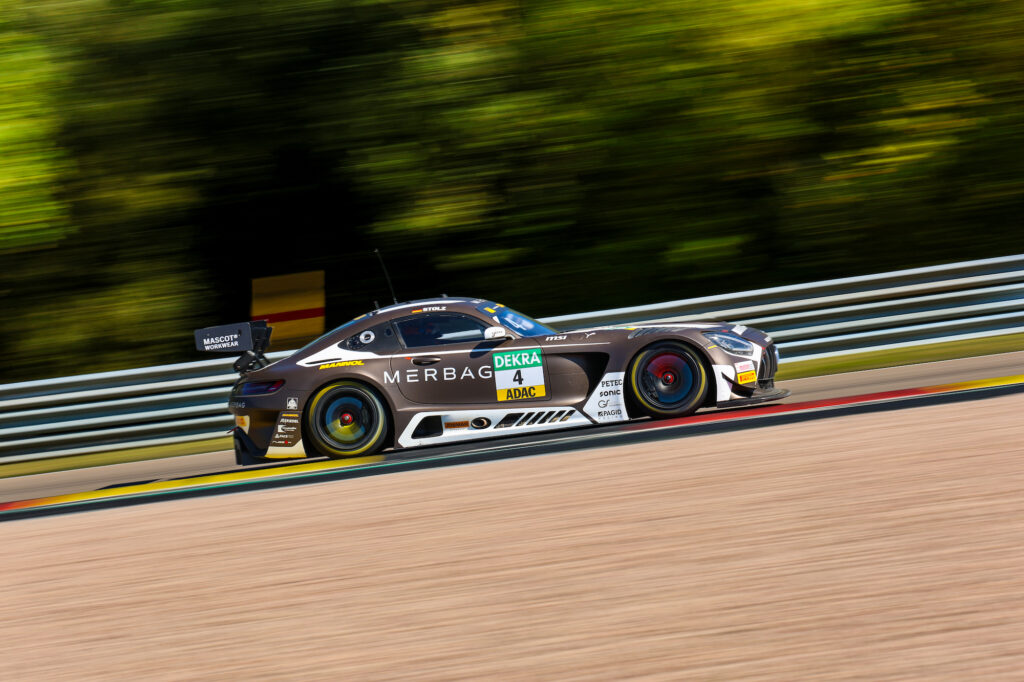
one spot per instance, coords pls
(517, 322)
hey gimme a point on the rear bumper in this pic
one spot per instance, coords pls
(246, 452)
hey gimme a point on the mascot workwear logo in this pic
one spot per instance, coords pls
(217, 342)
(519, 375)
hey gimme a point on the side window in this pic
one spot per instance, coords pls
(432, 330)
(368, 337)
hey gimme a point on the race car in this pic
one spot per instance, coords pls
(447, 370)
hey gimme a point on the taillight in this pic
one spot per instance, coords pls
(261, 387)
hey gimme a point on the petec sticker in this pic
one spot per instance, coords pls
(519, 374)
(607, 402)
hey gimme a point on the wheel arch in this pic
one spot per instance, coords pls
(389, 438)
(711, 399)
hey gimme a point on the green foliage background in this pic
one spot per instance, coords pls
(559, 156)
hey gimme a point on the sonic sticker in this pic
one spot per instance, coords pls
(519, 374)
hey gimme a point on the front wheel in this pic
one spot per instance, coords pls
(346, 419)
(668, 380)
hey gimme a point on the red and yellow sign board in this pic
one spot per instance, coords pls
(293, 305)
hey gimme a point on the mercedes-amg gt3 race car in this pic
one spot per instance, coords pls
(446, 370)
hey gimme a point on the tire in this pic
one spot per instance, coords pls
(346, 419)
(667, 380)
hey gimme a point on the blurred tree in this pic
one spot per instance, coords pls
(558, 156)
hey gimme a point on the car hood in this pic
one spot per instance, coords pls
(632, 329)
(661, 324)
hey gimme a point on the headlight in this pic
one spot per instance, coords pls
(732, 344)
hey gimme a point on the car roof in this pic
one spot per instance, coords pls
(380, 315)
(409, 306)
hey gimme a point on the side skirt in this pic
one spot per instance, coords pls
(430, 428)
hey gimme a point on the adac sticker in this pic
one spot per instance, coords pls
(519, 374)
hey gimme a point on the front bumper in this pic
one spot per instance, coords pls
(759, 395)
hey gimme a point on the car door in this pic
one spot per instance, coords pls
(447, 361)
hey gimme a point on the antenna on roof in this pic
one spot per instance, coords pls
(386, 276)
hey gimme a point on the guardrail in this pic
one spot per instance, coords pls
(187, 401)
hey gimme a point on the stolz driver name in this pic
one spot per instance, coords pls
(437, 374)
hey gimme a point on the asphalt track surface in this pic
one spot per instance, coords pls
(162, 479)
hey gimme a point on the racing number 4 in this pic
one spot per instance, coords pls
(519, 374)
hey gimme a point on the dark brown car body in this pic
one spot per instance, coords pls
(450, 389)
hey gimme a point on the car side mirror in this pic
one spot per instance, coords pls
(492, 333)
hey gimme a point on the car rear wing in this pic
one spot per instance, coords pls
(248, 338)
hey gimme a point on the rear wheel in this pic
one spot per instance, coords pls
(346, 419)
(668, 380)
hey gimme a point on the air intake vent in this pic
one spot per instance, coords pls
(519, 419)
(508, 420)
(429, 427)
(769, 365)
